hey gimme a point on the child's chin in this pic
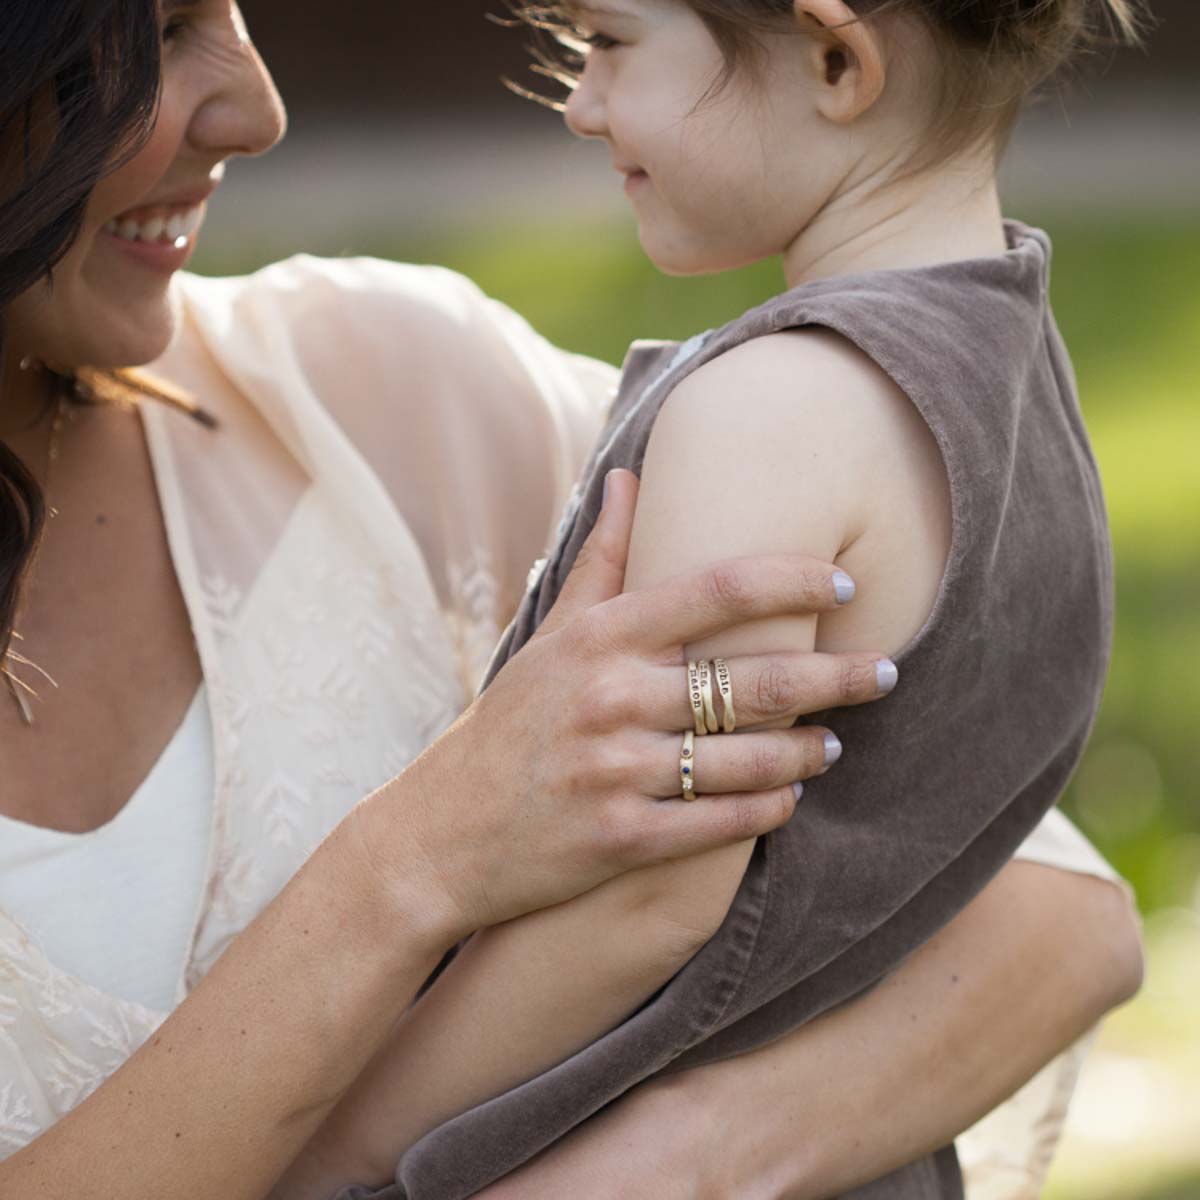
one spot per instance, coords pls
(676, 260)
(681, 265)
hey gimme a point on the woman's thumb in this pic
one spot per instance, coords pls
(599, 570)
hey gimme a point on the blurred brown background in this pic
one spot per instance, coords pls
(405, 144)
(377, 55)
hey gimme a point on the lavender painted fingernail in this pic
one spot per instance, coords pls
(833, 749)
(843, 587)
(798, 790)
(886, 675)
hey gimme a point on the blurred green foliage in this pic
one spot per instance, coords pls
(1127, 300)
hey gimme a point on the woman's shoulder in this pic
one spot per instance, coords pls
(359, 297)
(475, 425)
(392, 322)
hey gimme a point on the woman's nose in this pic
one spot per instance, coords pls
(585, 112)
(245, 115)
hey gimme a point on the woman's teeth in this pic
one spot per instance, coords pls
(174, 230)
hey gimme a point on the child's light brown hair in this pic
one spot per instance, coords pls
(996, 53)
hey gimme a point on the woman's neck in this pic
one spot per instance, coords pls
(24, 403)
(932, 218)
(23, 393)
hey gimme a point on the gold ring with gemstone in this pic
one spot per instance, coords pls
(687, 766)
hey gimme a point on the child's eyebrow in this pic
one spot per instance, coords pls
(602, 10)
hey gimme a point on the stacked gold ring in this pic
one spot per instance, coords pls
(711, 725)
(695, 696)
(725, 687)
(701, 678)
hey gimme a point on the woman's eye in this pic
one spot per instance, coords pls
(172, 30)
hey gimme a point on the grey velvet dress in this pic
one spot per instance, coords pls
(998, 693)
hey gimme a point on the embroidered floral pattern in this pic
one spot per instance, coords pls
(475, 612)
(331, 678)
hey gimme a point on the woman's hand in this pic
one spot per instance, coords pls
(654, 1143)
(566, 771)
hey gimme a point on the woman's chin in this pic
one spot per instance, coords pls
(131, 340)
(120, 343)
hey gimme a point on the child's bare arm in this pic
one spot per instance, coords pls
(746, 458)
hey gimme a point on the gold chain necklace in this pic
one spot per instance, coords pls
(112, 389)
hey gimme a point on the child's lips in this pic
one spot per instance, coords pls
(634, 177)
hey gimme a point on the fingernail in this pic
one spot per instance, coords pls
(886, 675)
(604, 497)
(833, 749)
(843, 587)
(798, 791)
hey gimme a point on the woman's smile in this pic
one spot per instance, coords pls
(163, 235)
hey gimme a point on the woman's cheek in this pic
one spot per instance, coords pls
(134, 180)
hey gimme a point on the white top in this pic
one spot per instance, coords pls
(142, 874)
(395, 450)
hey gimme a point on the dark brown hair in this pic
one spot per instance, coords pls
(79, 85)
(996, 53)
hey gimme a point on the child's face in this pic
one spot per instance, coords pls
(717, 178)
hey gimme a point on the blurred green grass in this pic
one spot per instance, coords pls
(1125, 293)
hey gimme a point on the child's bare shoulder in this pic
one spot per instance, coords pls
(799, 442)
(810, 393)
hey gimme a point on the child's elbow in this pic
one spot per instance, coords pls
(1102, 946)
(1117, 928)
(687, 902)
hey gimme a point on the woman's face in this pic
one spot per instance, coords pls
(108, 302)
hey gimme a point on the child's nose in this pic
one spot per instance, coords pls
(585, 112)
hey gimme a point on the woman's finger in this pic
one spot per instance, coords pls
(599, 570)
(660, 830)
(771, 687)
(751, 762)
(690, 608)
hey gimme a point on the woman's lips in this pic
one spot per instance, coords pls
(158, 225)
(160, 238)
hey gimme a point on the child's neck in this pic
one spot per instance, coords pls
(940, 217)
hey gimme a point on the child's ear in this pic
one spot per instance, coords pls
(847, 58)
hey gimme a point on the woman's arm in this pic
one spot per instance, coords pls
(522, 998)
(218, 1101)
(1037, 958)
(1032, 964)
(234, 1083)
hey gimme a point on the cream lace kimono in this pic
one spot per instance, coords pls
(393, 452)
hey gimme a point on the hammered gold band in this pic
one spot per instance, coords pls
(725, 687)
(687, 766)
(711, 723)
(696, 698)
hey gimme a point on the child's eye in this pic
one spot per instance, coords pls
(599, 41)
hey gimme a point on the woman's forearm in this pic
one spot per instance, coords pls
(1033, 963)
(518, 1000)
(223, 1096)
